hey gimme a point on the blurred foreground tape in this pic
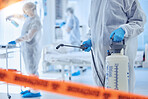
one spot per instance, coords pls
(5, 3)
(65, 88)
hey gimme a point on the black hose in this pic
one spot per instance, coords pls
(96, 68)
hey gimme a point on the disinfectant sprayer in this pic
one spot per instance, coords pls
(117, 72)
(13, 22)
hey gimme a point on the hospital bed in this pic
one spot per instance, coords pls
(64, 57)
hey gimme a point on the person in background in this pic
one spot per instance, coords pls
(30, 43)
(116, 20)
(71, 32)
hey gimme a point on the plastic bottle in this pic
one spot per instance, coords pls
(14, 23)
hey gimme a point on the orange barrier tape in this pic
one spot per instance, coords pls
(65, 88)
(5, 3)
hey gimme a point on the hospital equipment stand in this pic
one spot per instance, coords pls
(7, 47)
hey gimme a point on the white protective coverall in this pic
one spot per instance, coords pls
(107, 16)
(30, 40)
(73, 36)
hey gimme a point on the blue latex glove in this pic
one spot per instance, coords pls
(12, 42)
(62, 24)
(88, 45)
(117, 35)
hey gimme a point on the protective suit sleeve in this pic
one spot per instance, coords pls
(18, 16)
(36, 26)
(136, 18)
(69, 25)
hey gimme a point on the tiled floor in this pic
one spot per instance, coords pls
(141, 86)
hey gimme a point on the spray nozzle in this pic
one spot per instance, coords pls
(81, 47)
(61, 45)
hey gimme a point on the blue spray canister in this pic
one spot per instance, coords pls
(14, 23)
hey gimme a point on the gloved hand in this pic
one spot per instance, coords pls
(117, 35)
(88, 45)
(62, 24)
(12, 43)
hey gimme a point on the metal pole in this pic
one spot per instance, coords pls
(20, 62)
(7, 70)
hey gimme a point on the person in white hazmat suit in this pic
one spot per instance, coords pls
(30, 43)
(71, 32)
(116, 19)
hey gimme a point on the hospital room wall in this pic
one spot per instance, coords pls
(49, 24)
(1, 32)
(82, 10)
(8, 31)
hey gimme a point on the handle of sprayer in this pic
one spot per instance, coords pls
(83, 47)
(123, 41)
